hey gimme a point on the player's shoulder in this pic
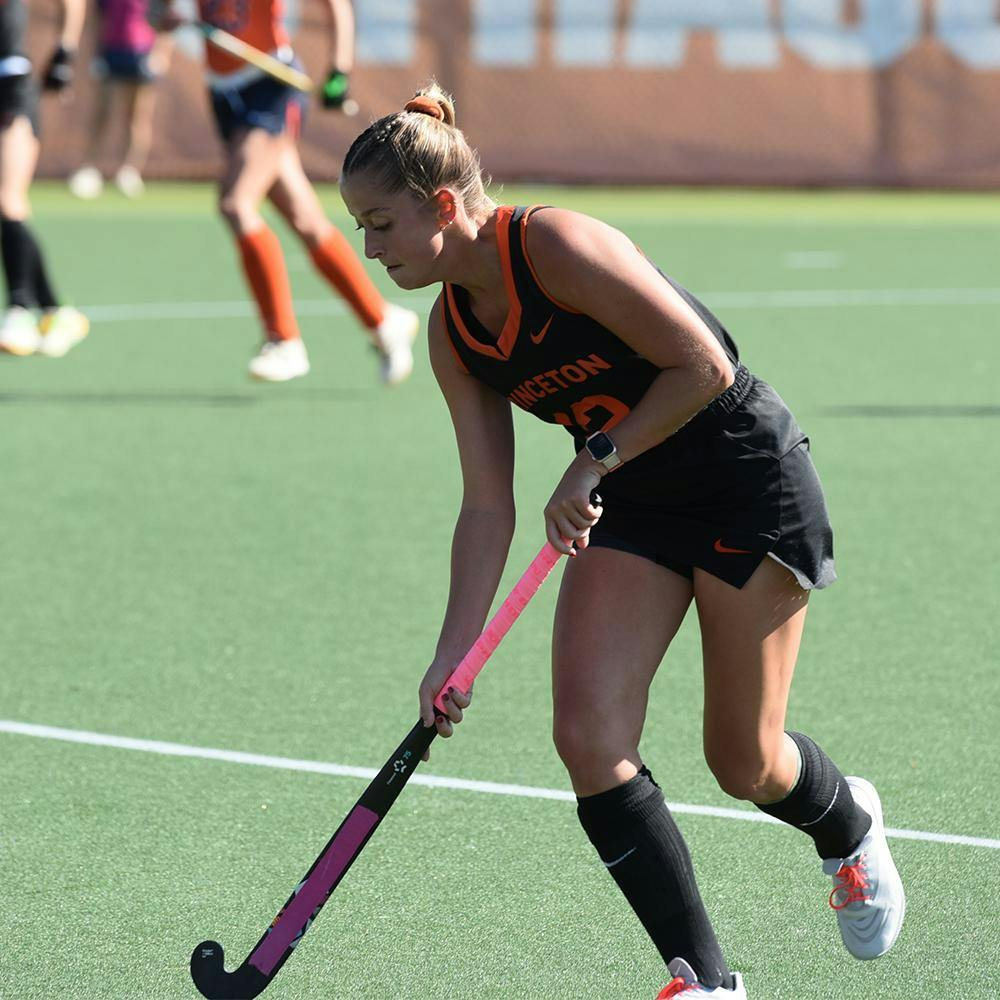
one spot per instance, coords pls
(555, 234)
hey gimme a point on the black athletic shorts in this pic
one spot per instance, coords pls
(736, 484)
(18, 96)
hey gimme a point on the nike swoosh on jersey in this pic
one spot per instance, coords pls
(537, 338)
(725, 550)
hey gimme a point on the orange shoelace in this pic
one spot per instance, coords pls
(674, 989)
(852, 885)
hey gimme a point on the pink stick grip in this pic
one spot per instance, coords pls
(499, 625)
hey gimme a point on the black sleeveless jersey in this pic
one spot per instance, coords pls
(551, 360)
(13, 15)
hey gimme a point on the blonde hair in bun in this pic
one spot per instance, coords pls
(421, 149)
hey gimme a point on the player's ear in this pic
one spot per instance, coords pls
(445, 206)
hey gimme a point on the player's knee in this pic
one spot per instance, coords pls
(585, 746)
(743, 772)
(14, 205)
(237, 212)
(311, 227)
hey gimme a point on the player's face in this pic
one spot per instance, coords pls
(402, 232)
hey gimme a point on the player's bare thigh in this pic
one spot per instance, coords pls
(750, 644)
(18, 156)
(616, 616)
(253, 159)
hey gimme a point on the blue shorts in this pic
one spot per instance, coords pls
(124, 64)
(266, 103)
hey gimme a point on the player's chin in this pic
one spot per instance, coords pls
(406, 279)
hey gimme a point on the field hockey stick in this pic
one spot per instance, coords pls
(307, 899)
(254, 57)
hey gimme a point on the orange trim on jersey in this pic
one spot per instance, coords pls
(531, 267)
(447, 336)
(508, 335)
(477, 345)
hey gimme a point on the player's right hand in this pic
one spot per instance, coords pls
(58, 74)
(455, 701)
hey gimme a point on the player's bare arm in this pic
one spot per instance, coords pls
(597, 270)
(485, 437)
(74, 12)
(341, 23)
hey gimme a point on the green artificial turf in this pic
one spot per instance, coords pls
(189, 557)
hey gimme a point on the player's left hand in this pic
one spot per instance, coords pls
(570, 513)
(335, 91)
(59, 72)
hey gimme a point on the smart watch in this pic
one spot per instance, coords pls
(603, 451)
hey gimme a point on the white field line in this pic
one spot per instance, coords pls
(779, 299)
(428, 780)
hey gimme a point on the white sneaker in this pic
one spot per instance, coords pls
(19, 332)
(62, 329)
(129, 181)
(685, 985)
(86, 183)
(394, 338)
(868, 892)
(280, 360)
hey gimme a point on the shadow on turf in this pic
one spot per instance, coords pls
(926, 410)
(179, 398)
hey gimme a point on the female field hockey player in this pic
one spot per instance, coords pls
(259, 119)
(34, 320)
(130, 58)
(709, 495)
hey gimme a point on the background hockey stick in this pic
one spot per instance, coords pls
(307, 899)
(254, 57)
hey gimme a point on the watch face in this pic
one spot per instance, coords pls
(600, 446)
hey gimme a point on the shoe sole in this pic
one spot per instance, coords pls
(17, 352)
(868, 790)
(267, 378)
(60, 354)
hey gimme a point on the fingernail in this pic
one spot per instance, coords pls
(440, 718)
(447, 696)
(451, 690)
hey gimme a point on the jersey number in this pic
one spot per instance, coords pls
(594, 413)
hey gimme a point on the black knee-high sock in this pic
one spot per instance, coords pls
(28, 282)
(639, 843)
(45, 295)
(821, 804)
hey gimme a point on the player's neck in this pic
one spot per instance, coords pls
(474, 260)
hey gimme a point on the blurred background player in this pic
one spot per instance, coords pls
(259, 120)
(130, 58)
(34, 320)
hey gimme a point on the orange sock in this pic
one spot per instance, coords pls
(339, 264)
(264, 266)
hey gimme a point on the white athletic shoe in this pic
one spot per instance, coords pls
(129, 181)
(868, 892)
(86, 183)
(19, 332)
(62, 329)
(685, 985)
(280, 360)
(394, 338)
